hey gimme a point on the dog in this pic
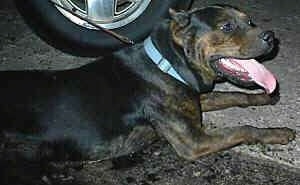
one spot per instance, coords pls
(158, 88)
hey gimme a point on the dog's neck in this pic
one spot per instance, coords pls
(161, 41)
(161, 62)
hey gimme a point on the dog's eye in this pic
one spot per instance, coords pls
(227, 27)
(250, 23)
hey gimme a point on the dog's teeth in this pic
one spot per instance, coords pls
(230, 65)
(224, 60)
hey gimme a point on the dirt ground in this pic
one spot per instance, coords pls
(158, 165)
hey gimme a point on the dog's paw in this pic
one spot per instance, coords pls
(287, 135)
(278, 136)
(274, 99)
(263, 99)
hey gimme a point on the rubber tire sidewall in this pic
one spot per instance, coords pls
(48, 23)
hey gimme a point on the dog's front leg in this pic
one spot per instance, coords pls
(219, 139)
(221, 100)
(179, 119)
(191, 142)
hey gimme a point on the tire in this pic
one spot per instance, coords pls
(58, 31)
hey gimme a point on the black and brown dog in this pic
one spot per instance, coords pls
(117, 105)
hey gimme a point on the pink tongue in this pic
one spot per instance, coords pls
(259, 74)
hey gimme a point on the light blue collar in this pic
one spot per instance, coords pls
(162, 63)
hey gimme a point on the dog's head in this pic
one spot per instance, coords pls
(222, 42)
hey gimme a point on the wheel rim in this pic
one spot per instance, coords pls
(109, 14)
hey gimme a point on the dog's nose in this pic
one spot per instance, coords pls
(267, 36)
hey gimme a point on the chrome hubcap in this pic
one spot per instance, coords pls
(109, 14)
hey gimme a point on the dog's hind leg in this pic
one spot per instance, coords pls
(221, 100)
(139, 138)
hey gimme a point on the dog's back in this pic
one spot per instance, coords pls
(88, 106)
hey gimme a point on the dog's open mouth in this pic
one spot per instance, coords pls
(247, 71)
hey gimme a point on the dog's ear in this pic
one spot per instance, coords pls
(182, 18)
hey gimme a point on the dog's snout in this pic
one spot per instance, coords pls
(267, 36)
